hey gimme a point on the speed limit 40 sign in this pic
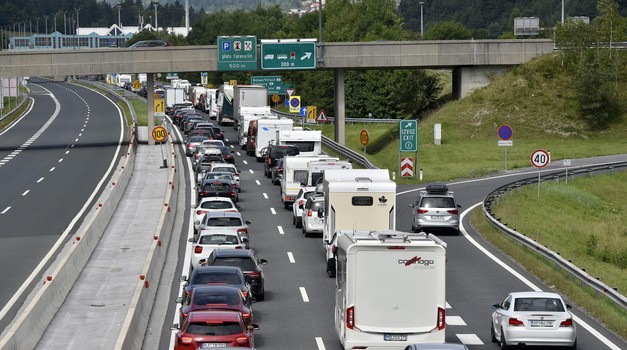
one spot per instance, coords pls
(540, 158)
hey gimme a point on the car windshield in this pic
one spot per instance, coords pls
(219, 176)
(217, 186)
(224, 169)
(244, 263)
(213, 298)
(308, 194)
(216, 205)
(217, 277)
(224, 222)
(197, 138)
(317, 205)
(207, 328)
(218, 239)
(538, 304)
(437, 202)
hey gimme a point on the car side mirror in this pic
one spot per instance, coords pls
(246, 134)
(263, 261)
(496, 306)
(303, 184)
(193, 206)
(255, 326)
(175, 327)
(459, 206)
(248, 222)
(568, 306)
(183, 279)
(320, 212)
(179, 300)
(197, 222)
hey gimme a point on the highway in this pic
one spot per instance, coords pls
(53, 163)
(298, 310)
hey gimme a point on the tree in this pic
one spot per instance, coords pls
(448, 30)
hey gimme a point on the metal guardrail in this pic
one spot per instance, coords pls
(107, 88)
(9, 113)
(598, 286)
(341, 149)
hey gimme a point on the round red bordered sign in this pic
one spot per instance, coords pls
(540, 158)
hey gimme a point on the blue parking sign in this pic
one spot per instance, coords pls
(226, 45)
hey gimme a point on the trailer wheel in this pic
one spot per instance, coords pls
(331, 268)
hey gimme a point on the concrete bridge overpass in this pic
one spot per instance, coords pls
(472, 61)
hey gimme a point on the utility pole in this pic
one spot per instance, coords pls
(156, 22)
(562, 12)
(421, 20)
(77, 24)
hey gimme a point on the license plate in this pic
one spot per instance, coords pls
(395, 337)
(541, 323)
(438, 217)
(213, 345)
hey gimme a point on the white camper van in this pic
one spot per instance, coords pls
(295, 173)
(246, 118)
(309, 142)
(390, 289)
(316, 169)
(265, 133)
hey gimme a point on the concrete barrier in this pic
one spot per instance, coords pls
(136, 322)
(29, 326)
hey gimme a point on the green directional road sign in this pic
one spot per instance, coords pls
(288, 55)
(237, 53)
(408, 136)
(274, 84)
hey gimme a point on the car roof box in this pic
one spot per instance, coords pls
(437, 187)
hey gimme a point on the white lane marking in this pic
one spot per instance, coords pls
(76, 140)
(83, 129)
(60, 160)
(52, 169)
(273, 211)
(245, 162)
(258, 183)
(67, 152)
(5, 210)
(469, 339)
(280, 228)
(290, 256)
(448, 306)
(62, 238)
(577, 319)
(320, 343)
(265, 195)
(303, 293)
(25, 192)
(251, 171)
(72, 146)
(40, 180)
(238, 154)
(455, 321)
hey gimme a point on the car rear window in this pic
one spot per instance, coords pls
(216, 299)
(538, 304)
(216, 205)
(224, 328)
(280, 152)
(224, 222)
(197, 138)
(244, 263)
(217, 186)
(317, 205)
(437, 202)
(223, 169)
(217, 277)
(218, 239)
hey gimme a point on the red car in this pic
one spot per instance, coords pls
(212, 329)
(216, 298)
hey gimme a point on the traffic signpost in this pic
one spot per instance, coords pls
(408, 140)
(311, 114)
(322, 116)
(159, 108)
(294, 104)
(288, 54)
(539, 159)
(237, 53)
(407, 167)
(505, 134)
(203, 79)
(274, 84)
(364, 138)
(159, 134)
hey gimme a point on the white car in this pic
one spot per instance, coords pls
(212, 204)
(208, 240)
(227, 168)
(533, 319)
(299, 203)
(313, 222)
(213, 143)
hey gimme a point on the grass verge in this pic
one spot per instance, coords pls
(17, 114)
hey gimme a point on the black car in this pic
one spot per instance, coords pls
(275, 152)
(276, 173)
(218, 132)
(227, 154)
(217, 188)
(216, 275)
(247, 261)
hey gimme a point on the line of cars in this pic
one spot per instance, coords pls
(226, 276)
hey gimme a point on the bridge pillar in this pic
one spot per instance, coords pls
(340, 136)
(466, 79)
(150, 101)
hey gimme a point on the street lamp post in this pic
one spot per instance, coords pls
(64, 24)
(46, 17)
(421, 20)
(77, 23)
(156, 22)
(562, 12)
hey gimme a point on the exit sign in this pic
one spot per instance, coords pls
(408, 134)
(288, 55)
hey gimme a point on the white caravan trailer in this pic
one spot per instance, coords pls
(295, 173)
(316, 169)
(253, 113)
(265, 132)
(309, 142)
(390, 289)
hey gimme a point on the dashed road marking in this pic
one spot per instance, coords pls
(280, 228)
(60, 160)
(238, 154)
(265, 195)
(303, 293)
(52, 169)
(290, 256)
(320, 343)
(455, 321)
(469, 339)
(245, 162)
(25, 192)
(67, 152)
(251, 171)
(273, 211)
(40, 180)
(258, 183)
(5, 210)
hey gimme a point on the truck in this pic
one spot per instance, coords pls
(172, 96)
(196, 96)
(248, 99)
(316, 169)
(357, 199)
(209, 103)
(295, 175)
(244, 124)
(309, 142)
(390, 289)
(263, 132)
(225, 105)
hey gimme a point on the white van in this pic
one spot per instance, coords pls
(358, 199)
(211, 104)
(244, 123)
(123, 79)
(390, 289)
(295, 174)
(316, 169)
(309, 142)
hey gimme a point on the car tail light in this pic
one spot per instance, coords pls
(186, 340)
(288, 198)
(232, 211)
(421, 211)
(245, 294)
(300, 202)
(441, 319)
(242, 341)
(350, 317)
(396, 247)
(239, 247)
(254, 274)
(203, 193)
(184, 315)
(278, 170)
(567, 323)
(309, 212)
(231, 194)
(453, 211)
(242, 230)
(515, 322)
(246, 315)
(198, 249)
(269, 160)
(200, 212)
(187, 293)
